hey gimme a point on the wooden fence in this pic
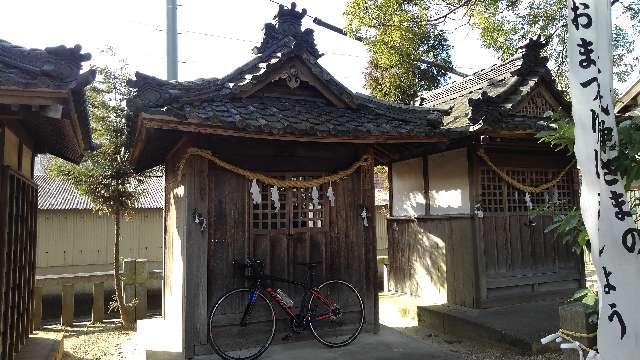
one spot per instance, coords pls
(18, 206)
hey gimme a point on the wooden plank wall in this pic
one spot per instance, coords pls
(521, 260)
(442, 247)
(18, 209)
(346, 247)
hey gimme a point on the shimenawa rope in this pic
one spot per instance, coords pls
(364, 161)
(515, 183)
(566, 335)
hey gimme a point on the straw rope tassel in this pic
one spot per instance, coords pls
(513, 182)
(365, 160)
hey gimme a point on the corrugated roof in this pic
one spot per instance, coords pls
(56, 194)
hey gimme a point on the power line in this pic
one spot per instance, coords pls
(338, 30)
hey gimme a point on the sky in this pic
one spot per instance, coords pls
(216, 36)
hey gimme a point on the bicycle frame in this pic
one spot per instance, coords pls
(303, 313)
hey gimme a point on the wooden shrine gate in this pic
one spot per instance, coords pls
(18, 207)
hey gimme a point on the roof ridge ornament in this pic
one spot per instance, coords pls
(288, 24)
(59, 62)
(531, 53)
(485, 110)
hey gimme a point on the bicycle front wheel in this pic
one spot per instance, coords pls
(336, 313)
(241, 325)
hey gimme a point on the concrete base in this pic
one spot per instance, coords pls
(388, 344)
(41, 346)
(159, 340)
(519, 326)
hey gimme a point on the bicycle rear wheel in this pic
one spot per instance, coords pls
(336, 313)
(233, 338)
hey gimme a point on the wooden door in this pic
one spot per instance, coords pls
(299, 231)
(295, 232)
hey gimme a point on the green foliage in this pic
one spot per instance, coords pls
(105, 175)
(627, 162)
(400, 38)
(567, 225)
(562, 136)
(383, 172)
(588, 297)
(506, 24)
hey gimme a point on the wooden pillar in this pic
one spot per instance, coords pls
(142, 275)
(196, 179)
(33, 240)
(36, 316)
(425, 179)
(13, 271)
(68, 293)
(4, 259)
(390, 181)
(97, 306)
(479, 265)
(23, 268)
(370, 242)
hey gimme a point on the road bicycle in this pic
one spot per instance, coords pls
(243, 321)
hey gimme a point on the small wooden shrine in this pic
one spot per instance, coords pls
(459, 231)
(42, 110)
(272, 161)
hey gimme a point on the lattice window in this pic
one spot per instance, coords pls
(498, 197)
(297, 211)
(536, 105)
(304, 214)
(492, 191)
(265, 217)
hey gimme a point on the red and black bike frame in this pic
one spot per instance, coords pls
(303, 313)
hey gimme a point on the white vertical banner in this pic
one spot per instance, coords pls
(615, 240)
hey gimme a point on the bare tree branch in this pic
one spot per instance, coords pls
(453, 9)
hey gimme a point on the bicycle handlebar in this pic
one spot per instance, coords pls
(255, 266)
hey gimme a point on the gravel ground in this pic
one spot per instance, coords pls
(107, 341)
(473, 350)
(86, 341)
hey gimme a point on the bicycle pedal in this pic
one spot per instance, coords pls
(287, 337)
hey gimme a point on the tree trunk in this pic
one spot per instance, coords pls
(124, 314)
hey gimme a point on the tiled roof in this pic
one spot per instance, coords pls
(56, 194)
(302, 116)
(52, 69)
(497, 90)
(323, 108)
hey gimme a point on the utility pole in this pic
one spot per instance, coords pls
(172, 40)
